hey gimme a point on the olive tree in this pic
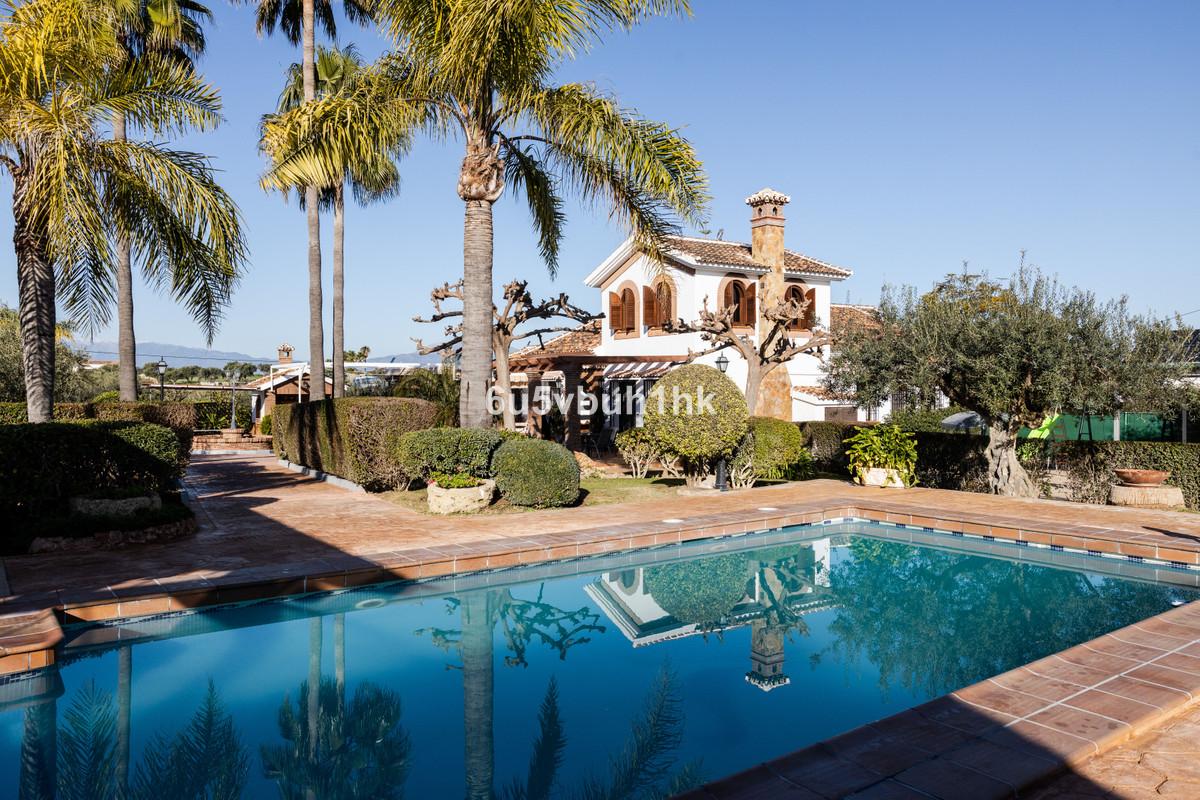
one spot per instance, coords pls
(1012, 352)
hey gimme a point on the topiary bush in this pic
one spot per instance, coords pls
(179, 417)
(537, 473)
(779, 452)
(638, 448)
(697, 414)
(351, 437)
(448, 450)
(264, 425)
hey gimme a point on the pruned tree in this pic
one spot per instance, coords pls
(518, 309)
(1013, 353)
(778, 343)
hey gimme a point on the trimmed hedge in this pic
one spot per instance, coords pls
(826, 441)
(952, 461)
(351, 437)
(42, 466)
(779, 451)
(1091, 465)
(537, 473)
(448, 450)
(179, 417)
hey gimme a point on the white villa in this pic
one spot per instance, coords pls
(630, 348)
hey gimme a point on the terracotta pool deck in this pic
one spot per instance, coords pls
(266, 531)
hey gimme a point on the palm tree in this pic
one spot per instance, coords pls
(297, 19)
(74, 191)
(481, 70)
(171, 29)
(336, 69)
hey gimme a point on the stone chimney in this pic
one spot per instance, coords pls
(766, 227)
(285, 353)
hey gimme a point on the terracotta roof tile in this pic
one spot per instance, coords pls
(842, 317)
(582, 341)
(720, 253)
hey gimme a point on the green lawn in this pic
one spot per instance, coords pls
(596, 492)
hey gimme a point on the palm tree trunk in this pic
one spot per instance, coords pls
(124, 710)
(39, 752)
(478, 691)
(477, 315)
(35, 288)
(126, 343)
(339, 296)
(316, 325)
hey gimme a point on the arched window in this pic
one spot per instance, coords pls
(622, 311)
(739, 295)
(800, 295)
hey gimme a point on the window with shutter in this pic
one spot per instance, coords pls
(628, 310)
(795, 295)
(666, 303)
(810, 313)
(650, 313)
(730, 299)
(615, 323)
(748, 313)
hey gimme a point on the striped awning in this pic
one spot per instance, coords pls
(638, 369)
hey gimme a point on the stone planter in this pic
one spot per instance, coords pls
(878, 476)
(111, 507)
(1142, 477)
(470, 500)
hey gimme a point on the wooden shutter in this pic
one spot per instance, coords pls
(650, 307)
(629, 309)
(728, 301)
(666, 304)
(810, 312)
(748, 317)
(615, 323)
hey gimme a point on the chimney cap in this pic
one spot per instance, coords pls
(768, 195)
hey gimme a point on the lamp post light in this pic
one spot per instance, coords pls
(162, 379)
(722, 484)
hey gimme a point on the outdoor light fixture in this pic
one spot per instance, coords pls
(722, 363)
(162, 379)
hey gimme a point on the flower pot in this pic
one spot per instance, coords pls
(469, 500)
(878, 476)
(1142, 477)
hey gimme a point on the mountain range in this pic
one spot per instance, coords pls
(177, 355)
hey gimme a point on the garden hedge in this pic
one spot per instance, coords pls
(826, 442)
(42, 466)
(351, 437)
(447, 450)
(179, 417)
(1091, 466)
(537, 473)
(779, 451)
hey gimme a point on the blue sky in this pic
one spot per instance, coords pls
(911, 136)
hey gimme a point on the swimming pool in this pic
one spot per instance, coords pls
(611, 675)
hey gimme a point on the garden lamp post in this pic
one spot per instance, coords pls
(162, 379)
(722, 484)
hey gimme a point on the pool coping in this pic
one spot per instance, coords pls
(987, 729)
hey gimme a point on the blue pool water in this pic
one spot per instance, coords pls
(643, 671)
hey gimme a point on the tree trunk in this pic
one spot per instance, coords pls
(35, 286)
(473, 409)
(39, 752)
(339, 659)
(754, 376)
(480, 184)
(478, 689)
(124, 717)
(316, 325)
(127, 375)
(339, 295)
(504, 385)
(1006, 476)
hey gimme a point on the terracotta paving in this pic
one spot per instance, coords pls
(265, 531)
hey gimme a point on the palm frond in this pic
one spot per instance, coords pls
(86, 745)
(524, 173)
(157, 95)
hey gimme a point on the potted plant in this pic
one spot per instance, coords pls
(459, 493)
(883, 455)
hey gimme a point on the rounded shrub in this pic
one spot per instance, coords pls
(111, 396)
(697, 414)
(779, 451)
(638, 448)
(448, 450)
(264, 425)
(700, 592)
(537, 473)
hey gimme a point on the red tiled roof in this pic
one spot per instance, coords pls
(842, 317)
(819, 392)
(720, 253)
(582, 341)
